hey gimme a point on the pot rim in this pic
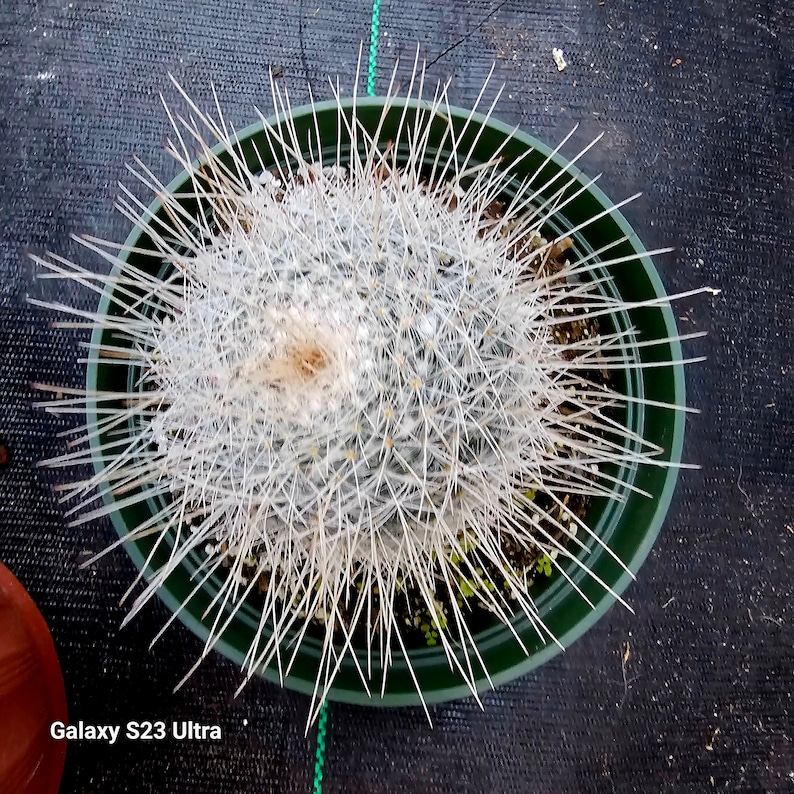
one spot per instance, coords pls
(662, 500)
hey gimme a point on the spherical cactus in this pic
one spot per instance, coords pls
(357, 385)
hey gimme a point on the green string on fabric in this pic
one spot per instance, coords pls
(373, 47)
(319, 758)
(320, 754)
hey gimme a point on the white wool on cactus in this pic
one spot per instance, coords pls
(351, 383)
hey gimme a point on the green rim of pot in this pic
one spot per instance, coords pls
(630, 527)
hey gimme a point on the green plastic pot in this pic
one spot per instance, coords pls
(630, 526)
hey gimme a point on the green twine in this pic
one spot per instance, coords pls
(323, 716)
(320, 754)
(373, 47)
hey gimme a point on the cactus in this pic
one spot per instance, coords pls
(354, 378)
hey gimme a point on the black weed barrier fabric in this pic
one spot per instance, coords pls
(692, 693)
